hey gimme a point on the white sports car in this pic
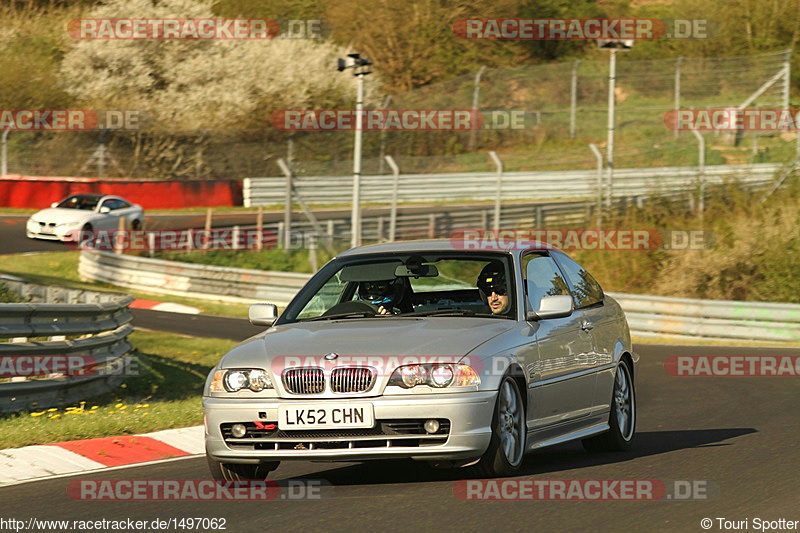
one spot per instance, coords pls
(83, 212)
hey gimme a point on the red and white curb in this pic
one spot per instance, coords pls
(164, 306)
(18, 465)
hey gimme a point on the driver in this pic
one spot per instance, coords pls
(385, 294)
(492, 286)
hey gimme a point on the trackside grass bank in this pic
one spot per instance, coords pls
(165, 394)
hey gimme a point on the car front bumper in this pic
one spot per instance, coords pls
(58, 234)
(469, 414)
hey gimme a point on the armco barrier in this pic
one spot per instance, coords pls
(40, 192)
(100, 320)
(236, 285)
(648, 316)
(570, 184)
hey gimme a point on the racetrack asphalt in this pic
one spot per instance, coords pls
(738, 435)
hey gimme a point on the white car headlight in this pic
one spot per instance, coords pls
(437, 376)
(235, 380)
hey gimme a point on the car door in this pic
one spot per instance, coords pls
(106, 221)
(562, 389)
(601, 320)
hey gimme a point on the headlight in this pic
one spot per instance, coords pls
(254, 379)
(438, 376)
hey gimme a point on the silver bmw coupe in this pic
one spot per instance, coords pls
(425, 351)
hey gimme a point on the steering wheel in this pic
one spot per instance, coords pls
(353, 306)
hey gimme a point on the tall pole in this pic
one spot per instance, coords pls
(612, 73)
(355, 239)
(573, 100)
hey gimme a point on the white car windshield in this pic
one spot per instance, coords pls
(80, 201)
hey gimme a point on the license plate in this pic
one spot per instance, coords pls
(47, 229)
(314, 416)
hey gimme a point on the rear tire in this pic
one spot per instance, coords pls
(622, 417)
(240, 472)
(136, 225)
(506, 449)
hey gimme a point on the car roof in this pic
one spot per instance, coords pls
(423, 246)
(88, 195)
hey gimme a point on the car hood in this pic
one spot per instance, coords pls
(392, 337)
(61, 215)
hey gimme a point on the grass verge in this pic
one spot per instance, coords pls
(165, 395)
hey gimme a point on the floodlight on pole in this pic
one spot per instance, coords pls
(360, 66)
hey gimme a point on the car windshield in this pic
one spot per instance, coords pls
(80, 201)
(408, 285)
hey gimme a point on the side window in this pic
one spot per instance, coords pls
(585, 289)
(542, 278)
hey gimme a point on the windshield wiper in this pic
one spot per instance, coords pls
(352, 314)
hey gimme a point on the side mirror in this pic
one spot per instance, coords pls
(552, 307)
(105, 210)
(263, 314)
(54, 204)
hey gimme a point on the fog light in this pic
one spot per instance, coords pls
(431, 426)
(238, 430)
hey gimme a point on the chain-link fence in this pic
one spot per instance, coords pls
(565, 107)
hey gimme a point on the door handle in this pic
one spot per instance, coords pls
(586, 325)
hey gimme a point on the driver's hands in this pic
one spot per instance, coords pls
(383, 311)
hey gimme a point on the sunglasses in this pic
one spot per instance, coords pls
(499, 290)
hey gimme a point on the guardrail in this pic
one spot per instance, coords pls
(660, 316)
(237, 285)
(100, 323)
(648, 316)
(571, 184)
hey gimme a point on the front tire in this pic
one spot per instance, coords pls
(240, 472)
(509, 430)
(622, 417)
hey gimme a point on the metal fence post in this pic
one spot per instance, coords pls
(395, 184)
(499, 193)
(475, 101)
(287, 204)
(260, 228)
(4, 170)
(383, 138)
(677, 104)
(573, 101)
(599, 157)
(702, 164)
